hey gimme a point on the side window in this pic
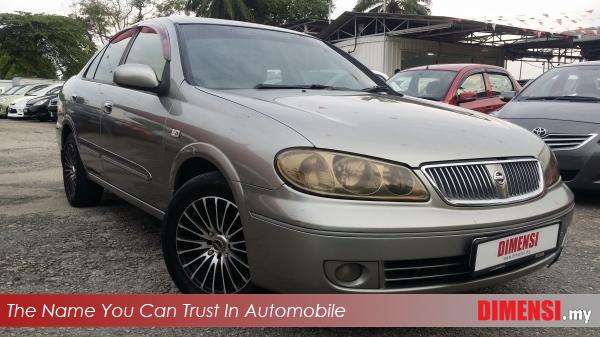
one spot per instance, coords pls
(91, 70)
(473, 83)
(500, 83)
(147, 49)
(112, 56)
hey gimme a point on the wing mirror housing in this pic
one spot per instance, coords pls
(137, 76)
(506, 96)
(467, 96)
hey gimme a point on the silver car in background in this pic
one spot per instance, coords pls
(278, 161)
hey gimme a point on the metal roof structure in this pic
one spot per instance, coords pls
(518, 42)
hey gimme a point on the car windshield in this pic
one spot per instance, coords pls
(227, 57)
(428, 84)
(23, 90)
(567, 83)
(42, 91)
(12, 90)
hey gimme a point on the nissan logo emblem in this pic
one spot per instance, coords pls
(541, 132)
(499, 178)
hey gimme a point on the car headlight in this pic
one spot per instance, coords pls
(38, 103)
(341, 175)
(550, 166)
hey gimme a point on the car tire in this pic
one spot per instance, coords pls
(203, 239)
(79, 189)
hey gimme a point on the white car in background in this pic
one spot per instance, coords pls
(16, 108)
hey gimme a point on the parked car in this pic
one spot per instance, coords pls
(561, 107)
(52, 111)
(327, 181)
(26, 90)
(17, 108)
(5, 95)
(472, 86)
(39, 108)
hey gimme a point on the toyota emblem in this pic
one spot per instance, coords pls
(499, 178)
(541, 132)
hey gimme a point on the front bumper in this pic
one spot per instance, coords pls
(580, 167)
(16, 113)
(293, 237)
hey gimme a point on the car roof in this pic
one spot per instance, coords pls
(457, 67)
(177, 19)
(577, 64)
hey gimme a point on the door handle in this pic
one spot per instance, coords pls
(108, 106)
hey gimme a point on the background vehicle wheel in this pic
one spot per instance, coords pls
(80, 191)
(203, 239)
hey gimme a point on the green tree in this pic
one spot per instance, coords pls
(418, 7)
(104, 18)
(278, 12)
(170, 7)
(270, 12)
(39, 45)
(220, 9)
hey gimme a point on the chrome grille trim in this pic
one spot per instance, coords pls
(567, 141)
(471, 183)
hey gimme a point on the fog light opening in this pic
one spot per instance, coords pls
(348, 272)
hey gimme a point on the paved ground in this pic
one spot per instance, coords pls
(48, 247)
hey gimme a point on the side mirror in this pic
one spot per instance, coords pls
(507, 95)
(137, 76)
(467, 96)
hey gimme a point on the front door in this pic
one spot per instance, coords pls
(475, 83)
(132, 126)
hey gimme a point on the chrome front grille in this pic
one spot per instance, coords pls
(486, 182)
(400, 274)
(563, 141)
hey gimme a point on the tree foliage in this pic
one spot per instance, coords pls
(278, 12)
(418, 7)
(104, 18)
(270, 12)
(39, 45)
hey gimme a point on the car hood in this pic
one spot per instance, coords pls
(401, 129)
(557, 110)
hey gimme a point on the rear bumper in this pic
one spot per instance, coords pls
(286, 256)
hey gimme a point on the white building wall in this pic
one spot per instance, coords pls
(369, 50)
(388, 56)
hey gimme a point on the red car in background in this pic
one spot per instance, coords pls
(479, 87)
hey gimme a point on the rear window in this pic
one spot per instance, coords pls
(428, 84)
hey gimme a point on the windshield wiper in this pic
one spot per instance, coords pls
(382, 88)
(578, 98)
(429, 98)
(564, 98)
(298, 86)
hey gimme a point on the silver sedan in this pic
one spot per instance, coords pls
(278, 161)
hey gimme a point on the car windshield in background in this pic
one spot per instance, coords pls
(12, 90)
(573, 83)
(428, 84)
(225, 57)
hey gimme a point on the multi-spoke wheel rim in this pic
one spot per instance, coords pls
(211, 246)
(70, 169)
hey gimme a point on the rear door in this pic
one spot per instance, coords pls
(132, 124)
(82, 101)
(475, 82)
